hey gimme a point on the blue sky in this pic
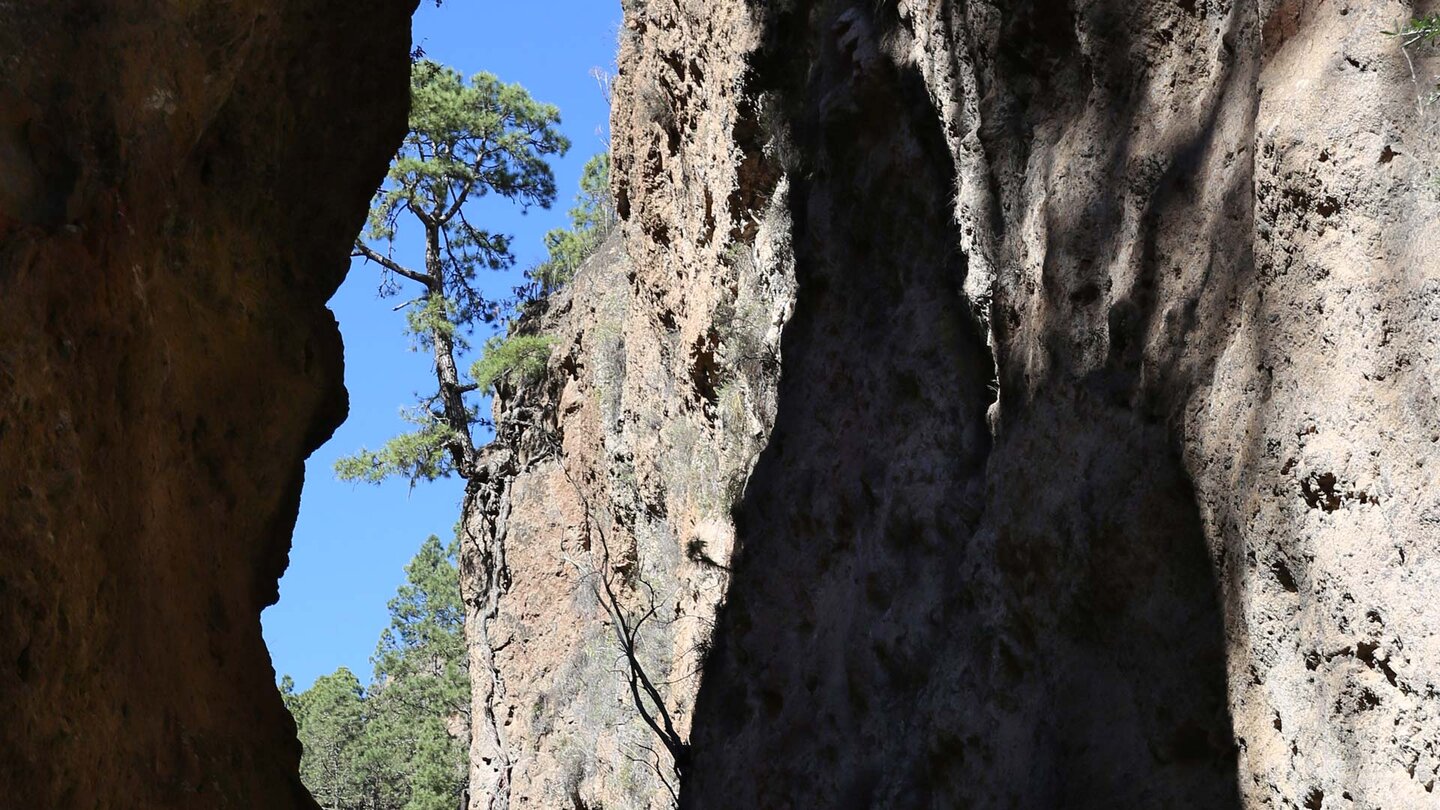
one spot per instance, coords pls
(353, 541)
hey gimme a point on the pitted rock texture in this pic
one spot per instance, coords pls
(1099, 470)
(622, 466)
(618, 470)
(173, 216)
(1021, 405)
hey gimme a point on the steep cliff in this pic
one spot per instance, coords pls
(604, 524)
(1021, 405)
(174, 213)
(1098, 447)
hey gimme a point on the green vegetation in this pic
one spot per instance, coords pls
(591, 219)
(398, 744)
(1419, 31)
(401, 741)
(467, 140)
(514, 359)
(419, 455)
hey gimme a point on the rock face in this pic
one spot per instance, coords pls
(173, 216)
(1099, 443)
(1022, 405)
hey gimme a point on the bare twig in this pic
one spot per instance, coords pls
(645, 695)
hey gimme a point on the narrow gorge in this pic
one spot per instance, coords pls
(1022, 405)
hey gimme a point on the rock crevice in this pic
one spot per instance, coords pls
(1020, 405)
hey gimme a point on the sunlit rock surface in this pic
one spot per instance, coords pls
(979, 406)
(1098, 446)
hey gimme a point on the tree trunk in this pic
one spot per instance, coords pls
(484, 578)
(482, 560)
(462, 448)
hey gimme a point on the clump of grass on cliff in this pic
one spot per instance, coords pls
(512, 360)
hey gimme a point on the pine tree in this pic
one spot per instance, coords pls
(467, 140)
(329, 717)
(420, 702)
(401, 743)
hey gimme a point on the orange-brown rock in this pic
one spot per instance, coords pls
(179, 185)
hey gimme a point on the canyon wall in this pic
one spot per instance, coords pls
(606, 501)
(1092, 466)
(1021, 405)
(174, 213)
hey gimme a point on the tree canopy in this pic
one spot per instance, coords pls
(400, 743)
(467, 140)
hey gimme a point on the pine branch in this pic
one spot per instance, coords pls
(364, 251)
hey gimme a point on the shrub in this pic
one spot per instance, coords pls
(591, 220)
(514, 360)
